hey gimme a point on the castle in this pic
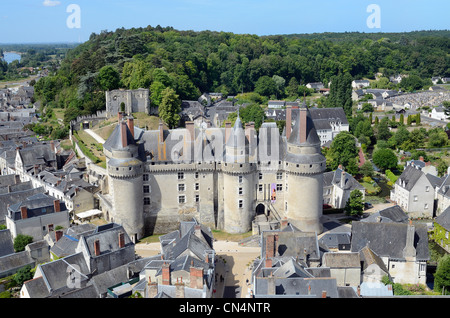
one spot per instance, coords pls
(223, 177)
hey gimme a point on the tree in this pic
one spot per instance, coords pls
(341, 93)
(292, 88)
(401, 136)
(108, 78)
(279, 83)
(170, 108)
(21, 241)
(22, 275)
(442, 276)
(355, 204)
(342, 150)
(266, 86)
(366, 169)
(156, 90)
(384, 158)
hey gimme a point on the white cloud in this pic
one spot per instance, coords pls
(51, 3)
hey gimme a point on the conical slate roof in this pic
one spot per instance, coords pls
(237, 135)
(304, 132)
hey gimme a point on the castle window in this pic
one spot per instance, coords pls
(146, 189)
(181, 187)
(145, 177)
(241, 204)
(240, 179)
(196, 175)
(197, 198)
(197, 186)
(260, 187)
(241, 191)
(180, 175)
(260, 176)
(279, 175)
(279, 187)
(146, 201)
(181, 199)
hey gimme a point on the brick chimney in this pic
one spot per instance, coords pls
(166, 274)
(97, 247)
(161, 133)
(196, 277)
(56, 205)
(227, 131)
(271, 247)
(123, 133)
(58, 235)
(303, 125)
(190, 131)
(130, 123)
(24, 212)
(121, 240)
(120, 116)
(288, 121)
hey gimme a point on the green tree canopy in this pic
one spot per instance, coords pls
(355, 204)
(108, 78)
(21, 241)
(384, 158)
(442, 276)
(342, 150)
(170, 108)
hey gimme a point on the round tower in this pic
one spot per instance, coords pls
(238, 181)
(304, 166)
(125, 171)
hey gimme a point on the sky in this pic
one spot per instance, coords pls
(50, 21)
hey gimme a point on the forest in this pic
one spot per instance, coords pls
(191, 63)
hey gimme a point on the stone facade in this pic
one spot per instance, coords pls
(137, 100)
(223, 177)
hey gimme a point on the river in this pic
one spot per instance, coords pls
(11, 56)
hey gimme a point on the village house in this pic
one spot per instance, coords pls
(337, 187)
(402, 247)
(358, 84)
(442, 229)
(414, 191)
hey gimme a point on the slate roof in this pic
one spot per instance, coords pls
(334, 113)
(390, 214)
(311, 134)
(68, 243)
(6, 243)
(108, 236)
(15, 197)
(335, 239)
(37, 205)
(389, 239)
(443, 219)
(334, 177)
(410, 176)
(298, 287)
(341, 260)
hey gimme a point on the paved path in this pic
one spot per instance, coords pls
(95, 136)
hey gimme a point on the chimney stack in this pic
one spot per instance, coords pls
(152, 289)
(123, 132)
(130, 123)
(120, 116)
(179, 289)
(343, 177)
(121, 240)
(190, 131)
(97, 247)
(57, 206)
(24, 212)
(58, 235)
(196, 277)
(288, 121)
(161, 132)
(166, 274)
(227, 131)
(303, 125)
(409, 252)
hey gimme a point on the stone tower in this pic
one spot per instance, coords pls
(125, 170)
(239, 180)
(304, 166)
